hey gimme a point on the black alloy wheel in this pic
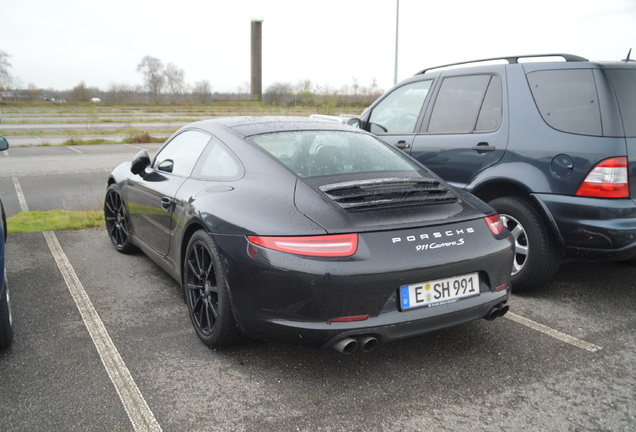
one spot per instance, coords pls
(206, 293)
(117, 222)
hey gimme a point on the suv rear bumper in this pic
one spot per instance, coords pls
(592, 228)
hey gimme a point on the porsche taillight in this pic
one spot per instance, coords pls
(608, 179)
(338, 245)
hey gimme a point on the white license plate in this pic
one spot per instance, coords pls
(438, 292)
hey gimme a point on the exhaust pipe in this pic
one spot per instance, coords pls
(504, 310)
(346, 345)
(497, 312)
(367, 343)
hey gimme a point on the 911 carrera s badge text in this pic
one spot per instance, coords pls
(442, 239)
(422, 247)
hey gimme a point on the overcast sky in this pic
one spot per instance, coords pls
(59, 43)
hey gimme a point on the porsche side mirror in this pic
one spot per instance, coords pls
(140, 163)
(4, 144)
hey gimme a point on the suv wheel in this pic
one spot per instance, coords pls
(536, 257)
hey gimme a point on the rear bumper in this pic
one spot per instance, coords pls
(591, 228)
(388, 326)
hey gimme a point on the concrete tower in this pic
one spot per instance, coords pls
(257, 60)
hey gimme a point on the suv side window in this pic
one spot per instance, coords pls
(398, 112)
(624, 82)
(567, 100)
(467, 103)
(492, 107)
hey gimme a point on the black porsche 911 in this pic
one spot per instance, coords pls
(308, 231)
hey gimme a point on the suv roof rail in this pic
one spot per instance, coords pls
(510, 60)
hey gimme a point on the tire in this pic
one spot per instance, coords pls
(117, 221)
(6, 320)
(206, 293)
(536, 258)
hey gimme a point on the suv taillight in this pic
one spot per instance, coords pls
(608, 179)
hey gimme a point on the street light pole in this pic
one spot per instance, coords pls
(397, 32)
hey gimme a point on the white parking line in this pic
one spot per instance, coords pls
(18, 191)
(134, 403)
(552, 332)
(135, 147)
(74, 149)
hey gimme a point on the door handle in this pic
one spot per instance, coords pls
(167, 203)
(483, 147)
(403, 145)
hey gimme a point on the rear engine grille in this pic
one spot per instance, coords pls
(388, 192)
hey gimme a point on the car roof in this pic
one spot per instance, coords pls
(255, 125)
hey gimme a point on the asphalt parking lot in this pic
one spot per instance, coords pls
(103, 342)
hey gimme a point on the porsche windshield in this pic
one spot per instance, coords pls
(324, 153)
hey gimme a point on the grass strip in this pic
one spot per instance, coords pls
(54, 220)
(88, 132)
(140, 138)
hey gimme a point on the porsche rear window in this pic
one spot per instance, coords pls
(326, 153)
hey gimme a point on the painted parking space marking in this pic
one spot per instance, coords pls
(134, 403)
(135, 147)
(18, 191)
(553, 332)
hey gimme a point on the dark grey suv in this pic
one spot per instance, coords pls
(550, 145)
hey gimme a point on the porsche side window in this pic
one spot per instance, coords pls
(217, 162)
(181, 154)
(398, 112)
(458, 104)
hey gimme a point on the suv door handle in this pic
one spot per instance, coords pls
(167, 203)
(484, 147)
(403, 145)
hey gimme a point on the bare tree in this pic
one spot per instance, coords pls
(174, 80)
(5, 76)
(151, 67)
(355, 86)
(80, 93)
(121, 92)
(203, 91)
(33, 93)
(279, 93)
(305, 94)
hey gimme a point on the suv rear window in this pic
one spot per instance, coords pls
(567, 100)
(624, 82)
